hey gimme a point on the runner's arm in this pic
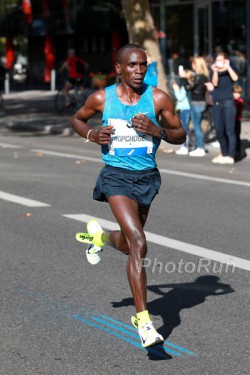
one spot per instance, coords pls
(170, 121)
(94, 104)
(172, 124)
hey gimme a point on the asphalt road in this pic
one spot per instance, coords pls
(62, 316)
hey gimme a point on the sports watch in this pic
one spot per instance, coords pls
(163, 134)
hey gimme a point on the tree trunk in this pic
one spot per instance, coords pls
(142, 31)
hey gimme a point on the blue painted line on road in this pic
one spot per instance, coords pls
(42, 297)
(115, 326)
(127, 332)
(105, 330)
(137, 344)
(101, 319)
(120, 323)
(166, 343)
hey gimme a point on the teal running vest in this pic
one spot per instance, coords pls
(128, 148)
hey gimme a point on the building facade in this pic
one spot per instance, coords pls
(198, 27)
(37, 33)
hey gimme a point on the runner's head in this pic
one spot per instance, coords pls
(125, 49)
(131, 65)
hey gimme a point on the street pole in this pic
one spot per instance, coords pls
(7, 84)
(53, 80)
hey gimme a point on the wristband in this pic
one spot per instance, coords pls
(87, 137)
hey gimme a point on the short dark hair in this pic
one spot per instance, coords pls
(221, 53)
(127, 47)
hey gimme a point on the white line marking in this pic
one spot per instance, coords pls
(201, 252)
(204, 177)
(71, 156)
(167, 171)
(8, 145)
(20, 200)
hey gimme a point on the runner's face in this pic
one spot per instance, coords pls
(133, 67)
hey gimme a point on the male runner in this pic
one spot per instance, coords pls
(129, 181)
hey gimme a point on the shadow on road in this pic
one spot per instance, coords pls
(181, 296)
(245, 144)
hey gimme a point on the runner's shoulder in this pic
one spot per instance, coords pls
(161, 97)
(96, 99)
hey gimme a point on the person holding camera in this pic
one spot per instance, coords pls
(224, 111)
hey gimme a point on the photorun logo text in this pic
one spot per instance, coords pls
(201, 266)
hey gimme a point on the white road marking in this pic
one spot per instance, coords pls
(71, 156)
(167, 171)
(204, 177)
(201, 252)
(8, 145)
(20, 200)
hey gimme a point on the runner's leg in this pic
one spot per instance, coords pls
(131, 219)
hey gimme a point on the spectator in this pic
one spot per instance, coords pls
(151, 77)
(239, 103)
(2, 79)
(174, 62)
(224, 110)
(197, 89)
(183, 107)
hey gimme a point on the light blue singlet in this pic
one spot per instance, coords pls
(128, 148)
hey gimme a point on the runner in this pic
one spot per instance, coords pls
(129, 181)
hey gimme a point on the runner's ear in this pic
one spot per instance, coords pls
(118, 68)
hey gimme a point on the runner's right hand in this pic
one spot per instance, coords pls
(102, 136)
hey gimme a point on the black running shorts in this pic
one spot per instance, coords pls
(141, 186)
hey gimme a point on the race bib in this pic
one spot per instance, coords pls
(127, 141)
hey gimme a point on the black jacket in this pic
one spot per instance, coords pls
(197, 88)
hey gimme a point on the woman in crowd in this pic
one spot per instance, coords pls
(183, 109)
(197, 90)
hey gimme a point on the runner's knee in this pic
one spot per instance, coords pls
(138, 246)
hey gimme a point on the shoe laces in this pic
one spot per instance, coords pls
(93, 249)
(147, 326)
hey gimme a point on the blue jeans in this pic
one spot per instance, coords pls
(224, 112)
(196, 115)
(185, 117)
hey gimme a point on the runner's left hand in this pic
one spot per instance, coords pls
(144, 125)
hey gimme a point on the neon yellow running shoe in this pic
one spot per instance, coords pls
(148, 334)
(94, 229)
(84, 237)
(94, 239)
(92, 254)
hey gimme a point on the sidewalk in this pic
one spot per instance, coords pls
(34, 112)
